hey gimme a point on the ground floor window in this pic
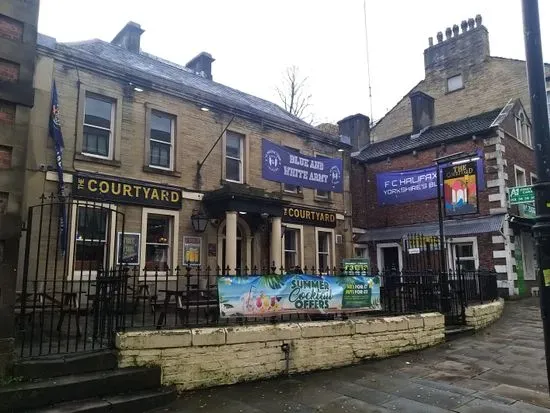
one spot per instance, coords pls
(359, 252)
(91, 238)
(158, 242)
(292, 248)
(464, 254)
(324, 250)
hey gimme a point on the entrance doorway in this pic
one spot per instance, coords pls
(244, 246)
(240, 254)
(389, 256)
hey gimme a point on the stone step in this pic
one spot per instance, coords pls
(137, 402)
(454, 332)
(64, 365)
(23, 397)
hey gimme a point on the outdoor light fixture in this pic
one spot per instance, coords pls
(199, 221)
(264, 215)
(462, 161)
(340, 150)
(138, 89)
(205, 109)
(242, 212)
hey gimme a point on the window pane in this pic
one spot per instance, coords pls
(322, 242)
(156, 256)
(90, 255)
(291, 188)
(323, 261)
(290, 259)
(92, 223)
(158, 229)
(464, 250)
(454, 83)
(98, 112)
(160, 154)
(233, 169)
(161, 127)
(233, 145)
(96, 141)
(290, 239)
(467, 265)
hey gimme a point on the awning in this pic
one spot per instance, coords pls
(452, 228)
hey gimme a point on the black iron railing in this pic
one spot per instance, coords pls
(84, 312)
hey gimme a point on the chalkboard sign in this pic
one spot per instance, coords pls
(128, 248)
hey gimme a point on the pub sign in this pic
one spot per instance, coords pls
(308, 216)
(125, 191)
(460, 189)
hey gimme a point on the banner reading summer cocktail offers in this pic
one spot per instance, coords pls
(273, 294)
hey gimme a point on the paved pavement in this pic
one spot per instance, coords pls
(498, 370)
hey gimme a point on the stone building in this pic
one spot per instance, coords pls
(470, 102)
(156, 143)
(18, 20)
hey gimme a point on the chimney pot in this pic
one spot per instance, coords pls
(455, 30)
(448, 33)
(478, 20)
(439, 37)
(129, 37)
(201, 65)
(430, 41)
(471, 23)
(464, 26)
(422, 106)
(357, 128)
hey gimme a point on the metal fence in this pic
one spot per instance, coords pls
(65, 316)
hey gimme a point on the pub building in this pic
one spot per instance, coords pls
(165, 167)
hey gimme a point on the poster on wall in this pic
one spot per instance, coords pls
(356, 266)
(460, 189)
(191, 250)
(254, 296)
(284, 165)
(412, 185)
(128, 244)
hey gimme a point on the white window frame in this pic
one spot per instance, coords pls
(531, 176)
(173, 119)
(328, 193)
(332, 245)
(297, 188)
(72, 244)
(451, 256)
(454, 77)
(523, 129)
(516, 169)
(380, 255)
(241, 160)
(362, 247)
(299, 244)
(174, 237)
(111, 130)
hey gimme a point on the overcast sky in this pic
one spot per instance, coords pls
(253, 41)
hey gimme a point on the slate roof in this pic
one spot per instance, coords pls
(432, 136)
(154, 68)
(452, 228)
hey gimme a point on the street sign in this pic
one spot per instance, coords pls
(521, 195)
(527, 211)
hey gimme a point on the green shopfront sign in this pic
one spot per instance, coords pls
(521, 195)
(356, 266)
(527, 210)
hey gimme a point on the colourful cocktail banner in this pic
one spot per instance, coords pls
(264, 295)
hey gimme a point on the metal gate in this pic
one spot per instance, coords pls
(71, 291)
(422, 255)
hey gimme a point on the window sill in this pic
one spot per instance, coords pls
(159, 171)
(87, 158)
(323, 200)
(454, 90)
(299, 195)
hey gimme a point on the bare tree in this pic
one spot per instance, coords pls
(293, 92)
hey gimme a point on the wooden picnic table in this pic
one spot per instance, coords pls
(186, 300)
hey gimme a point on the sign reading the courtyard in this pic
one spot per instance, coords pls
(124, 191)
(401, 187)
(266, 295)
(308, 216)
(521, 195)
(460, 189)
(284, 165)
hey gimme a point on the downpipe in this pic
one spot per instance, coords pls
(285, 348)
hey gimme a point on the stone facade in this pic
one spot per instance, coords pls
(18, 20)
(480, 316)
(217, 356)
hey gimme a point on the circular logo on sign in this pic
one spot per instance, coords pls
(335, 175)
(273, 160)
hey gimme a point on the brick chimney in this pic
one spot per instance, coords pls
(357, 128)
(422, 106)
(129, 37)
(459, 49)
(201, 65)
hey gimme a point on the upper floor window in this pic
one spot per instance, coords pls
(98, 126)
(521, 179)
(234, 157)
(523, 130)
(454, 83)
(161, 140)
(318, 192)
(295, 189)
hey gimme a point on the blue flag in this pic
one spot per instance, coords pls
(57, 136)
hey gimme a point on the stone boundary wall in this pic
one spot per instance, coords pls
(204, 357)
(480, 316)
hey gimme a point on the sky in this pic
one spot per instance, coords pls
(254, 41)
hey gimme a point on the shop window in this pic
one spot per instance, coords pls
(292, 248)
(158, 242)
(234, 156)
(161, 140)
(324, 250)
(98, 126)
(91, 238)
(319, 193)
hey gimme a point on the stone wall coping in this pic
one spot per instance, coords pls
(216, 336)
